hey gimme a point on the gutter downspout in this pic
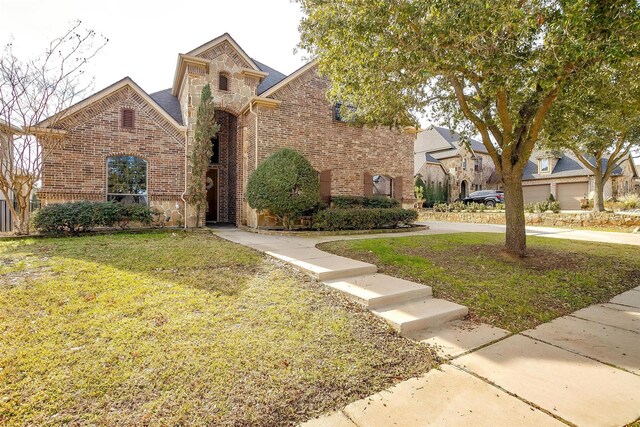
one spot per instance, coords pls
(186, 143)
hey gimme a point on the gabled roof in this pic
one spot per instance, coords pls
(455, 139)
(169, 103)
(442, 143)
(291, 77)
(430, 159)
(127, 81)
(225, 37)
(273, 77)
(567, 165)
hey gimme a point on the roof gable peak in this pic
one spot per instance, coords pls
(226, 37)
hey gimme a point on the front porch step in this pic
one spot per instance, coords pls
(375, 291)
(331, 267)
(415, 315)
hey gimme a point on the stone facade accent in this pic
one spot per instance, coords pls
(548, 219)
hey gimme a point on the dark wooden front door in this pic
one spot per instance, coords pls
(212, 195)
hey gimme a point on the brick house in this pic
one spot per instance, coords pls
(441, 158)
(570, 181)
(124, 144)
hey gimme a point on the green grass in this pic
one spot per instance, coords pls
(559, 276)
(165, 328)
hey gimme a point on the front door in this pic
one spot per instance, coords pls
(463, 189)
(212, 195)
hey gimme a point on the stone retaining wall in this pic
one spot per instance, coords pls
(580, 219)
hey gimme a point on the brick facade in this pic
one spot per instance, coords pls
(304, 121)
(297, 115)
(76, 170)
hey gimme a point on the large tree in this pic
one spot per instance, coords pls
(494, 68)
(599, 122)
(32, 90)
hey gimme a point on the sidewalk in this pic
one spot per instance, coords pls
(581, 369)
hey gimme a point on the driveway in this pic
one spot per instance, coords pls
(441, 227)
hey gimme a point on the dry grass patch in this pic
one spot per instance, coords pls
(173, 328)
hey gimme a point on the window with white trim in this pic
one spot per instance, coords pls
(544, 165)
(127, 180)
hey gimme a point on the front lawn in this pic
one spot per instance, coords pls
(559, 276)
(173, 328)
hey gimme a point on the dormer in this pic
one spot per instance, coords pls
(547, 162)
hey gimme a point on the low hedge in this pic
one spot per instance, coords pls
(362, 218)
(349, 202)
(78, 217)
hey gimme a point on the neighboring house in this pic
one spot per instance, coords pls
(570, 181)
(442, 158)
(123, 144)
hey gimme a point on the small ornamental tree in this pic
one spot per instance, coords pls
(34, 96)
(201, 151)
(286, 185)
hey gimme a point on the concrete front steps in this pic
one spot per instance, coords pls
(407, 306)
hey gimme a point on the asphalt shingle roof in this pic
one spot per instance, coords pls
(169, 103)
(567, 166)
(429, 158)
(453, 138)
(273, 78)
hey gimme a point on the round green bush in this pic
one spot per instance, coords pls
(286, 185)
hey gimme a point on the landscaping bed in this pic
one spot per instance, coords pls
(180, 328)
(596, 220)
(557, 278)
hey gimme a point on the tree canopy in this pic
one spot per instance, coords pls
(599, 121)
(488, 68)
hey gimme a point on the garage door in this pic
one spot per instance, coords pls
(536, 193)
(569, 194)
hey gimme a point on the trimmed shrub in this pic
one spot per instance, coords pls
(362, 218)
(78, 217)
(71, 217)
(286, 185)
(363, 202)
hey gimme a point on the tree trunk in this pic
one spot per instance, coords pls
(598, 195)
(515, 238)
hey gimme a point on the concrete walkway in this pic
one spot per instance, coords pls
(581, 369)
(407, 306)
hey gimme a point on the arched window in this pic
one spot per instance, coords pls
(127, 180)
(223, 82)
